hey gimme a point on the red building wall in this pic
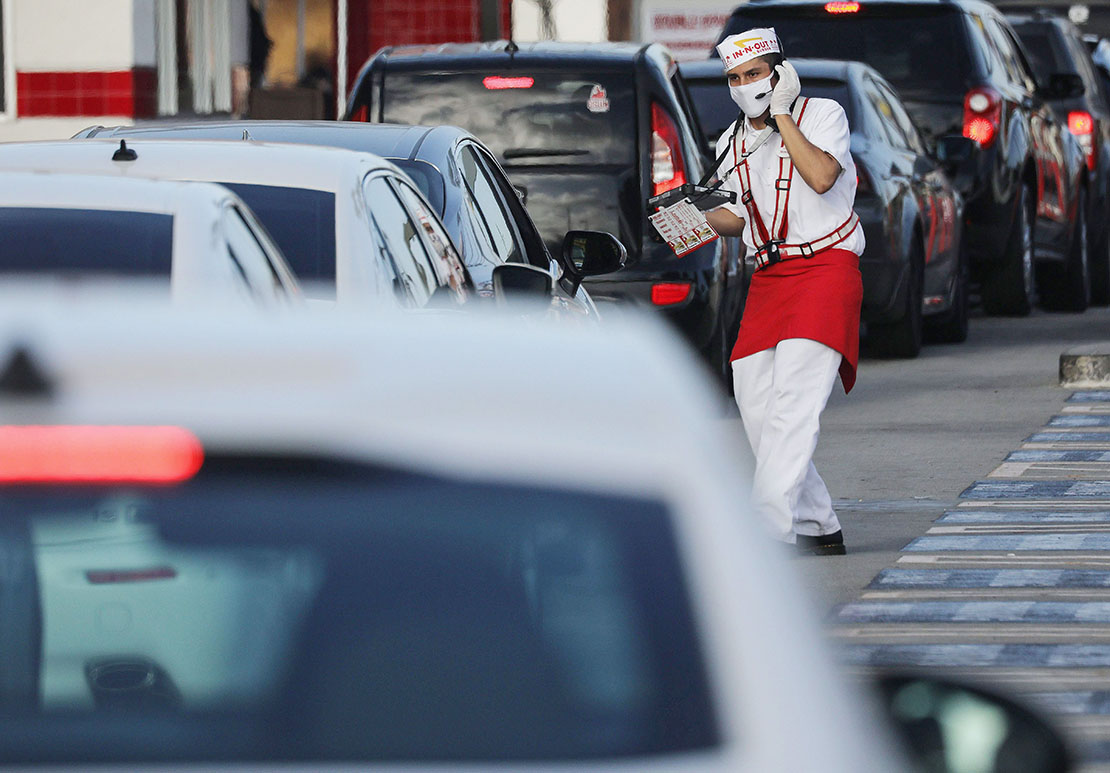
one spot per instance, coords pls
(373, 24)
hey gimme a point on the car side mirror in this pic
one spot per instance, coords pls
(949, 726)
(521, 281)
(1062, 85)
(591, 253)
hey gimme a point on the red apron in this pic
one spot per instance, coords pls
(817, 298)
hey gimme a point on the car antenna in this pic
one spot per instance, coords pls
(21, 376)
(124, 153)
(511, 48)
(247, 134)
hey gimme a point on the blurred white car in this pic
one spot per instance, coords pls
(201, 239)
(317, 540)
(352, 226)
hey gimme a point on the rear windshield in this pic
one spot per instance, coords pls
(87, 241)
(338, 612)
(301, 221)
(525, 117)
(921, 51)
(1046, 48)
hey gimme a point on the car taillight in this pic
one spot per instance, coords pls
(98, 454)
(497, 82)
(863, 181)
(669, 293)
(668, 170)
(842, 7)
(982, 116)
(1082, 125)
(362, 114)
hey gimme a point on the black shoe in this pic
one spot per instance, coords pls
(825, 545)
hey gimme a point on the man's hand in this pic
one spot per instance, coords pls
(786, 90)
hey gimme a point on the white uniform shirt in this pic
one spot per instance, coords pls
(812, 215)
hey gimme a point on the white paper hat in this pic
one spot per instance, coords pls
(737, 49)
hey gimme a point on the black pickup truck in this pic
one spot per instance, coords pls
(586, 133)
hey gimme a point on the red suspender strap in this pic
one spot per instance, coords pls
(783, 183)
(755, 222)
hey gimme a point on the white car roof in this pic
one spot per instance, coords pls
(624, 409)
(250, 162)
(78, 191)
(332, 170)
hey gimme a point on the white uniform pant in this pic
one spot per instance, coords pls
(781, 393)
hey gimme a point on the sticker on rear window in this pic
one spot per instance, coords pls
(598, 101)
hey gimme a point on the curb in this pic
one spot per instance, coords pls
(1086, 366)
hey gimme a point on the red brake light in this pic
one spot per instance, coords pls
(669, 293)
(1080, 122)
(1082, 125)
(362, 114)
(982, 115)
(92, 454)
(668, 170)
(842, 7)
(498, 82)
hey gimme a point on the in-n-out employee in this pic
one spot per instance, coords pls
(787, 159)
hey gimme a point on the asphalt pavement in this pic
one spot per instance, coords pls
(974, 492)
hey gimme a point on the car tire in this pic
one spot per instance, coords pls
(952, 326)
(1008, 289)
(1098, 263)
(1067, 286)
(903, 338)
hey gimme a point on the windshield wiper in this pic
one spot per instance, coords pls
(537, 152)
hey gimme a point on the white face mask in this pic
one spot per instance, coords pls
(753, 98)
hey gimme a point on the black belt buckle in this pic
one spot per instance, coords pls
(770, 252)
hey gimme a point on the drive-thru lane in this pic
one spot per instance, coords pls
(1004, 575)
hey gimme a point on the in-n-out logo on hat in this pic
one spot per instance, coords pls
(737, 49)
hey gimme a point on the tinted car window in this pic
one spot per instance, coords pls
(301, 221)
(534, 250)
(447, 262)
(427, 179)
(562, 118)
(1006, 49)
(919, 50)
(306, 610)
(885, 113)
(905, 124)
(88, 241)
(417, 280)
(249, 255)
(491, 209)
(1045, 47)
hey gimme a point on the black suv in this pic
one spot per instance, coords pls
(1058, 50)
(587, 133)
(960, 69)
